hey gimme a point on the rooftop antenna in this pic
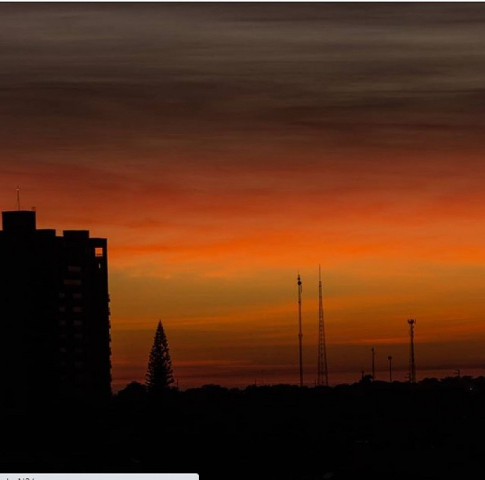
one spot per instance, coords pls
(18, 198)
(322, 370)
(412, 363)
(300, 333)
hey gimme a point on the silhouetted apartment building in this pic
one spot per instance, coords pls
(54, 311)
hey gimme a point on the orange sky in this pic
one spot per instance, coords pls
(223, 148)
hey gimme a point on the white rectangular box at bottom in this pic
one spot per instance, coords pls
(99, 476)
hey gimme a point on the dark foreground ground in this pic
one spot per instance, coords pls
(435, 429)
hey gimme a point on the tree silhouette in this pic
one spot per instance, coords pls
(159, 374)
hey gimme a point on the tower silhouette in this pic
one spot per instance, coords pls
(412, 362)
(300, 332)
(322, 368)
(373, 351)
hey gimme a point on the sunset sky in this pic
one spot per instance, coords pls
(222, 148)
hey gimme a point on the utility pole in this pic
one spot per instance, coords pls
(389, 358)
(322, 368)
(373, 363)
(300, 332)
(412, 362)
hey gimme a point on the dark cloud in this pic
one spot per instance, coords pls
(205, 76)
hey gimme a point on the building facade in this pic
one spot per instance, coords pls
(54, 312)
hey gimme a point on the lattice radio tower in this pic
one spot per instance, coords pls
(412, 363)
(322, 369)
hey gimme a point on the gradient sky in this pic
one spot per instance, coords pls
(223, 147)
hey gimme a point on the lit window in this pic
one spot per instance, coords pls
(98, 252)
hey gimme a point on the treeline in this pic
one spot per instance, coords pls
(432, 429)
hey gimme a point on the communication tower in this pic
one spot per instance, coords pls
(322, 369)
(412, 363)
(300, 332)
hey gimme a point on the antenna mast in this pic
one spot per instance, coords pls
(373, 350)
(322, 370)
(18, 197)
(412, 363)
(300, 333)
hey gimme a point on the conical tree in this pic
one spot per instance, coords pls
(159, 374)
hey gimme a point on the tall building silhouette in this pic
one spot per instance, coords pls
(54, 312)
